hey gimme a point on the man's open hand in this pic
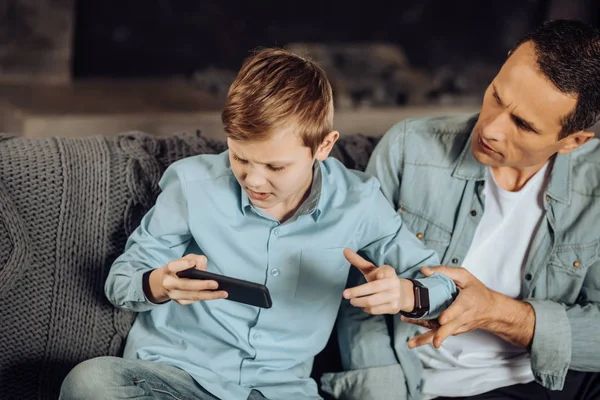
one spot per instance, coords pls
(476, 307)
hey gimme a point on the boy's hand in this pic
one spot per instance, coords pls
(165, 284)
(384, 292)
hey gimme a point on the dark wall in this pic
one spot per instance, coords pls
(35, 40)
(165, 37)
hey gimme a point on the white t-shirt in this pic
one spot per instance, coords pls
(477, 362)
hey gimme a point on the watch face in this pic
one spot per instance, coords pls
(421, 299)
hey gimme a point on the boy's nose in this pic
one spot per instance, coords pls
(254, 181)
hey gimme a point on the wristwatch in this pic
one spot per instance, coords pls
(421, 300)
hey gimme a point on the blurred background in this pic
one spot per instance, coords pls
(87, 67)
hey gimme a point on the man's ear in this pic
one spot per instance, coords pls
(327, 145)
(575, 140)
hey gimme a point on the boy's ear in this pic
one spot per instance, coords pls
(327, 145)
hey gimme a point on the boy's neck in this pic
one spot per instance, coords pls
(290, 213)
(285, 210)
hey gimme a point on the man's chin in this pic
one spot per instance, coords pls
(483, 158)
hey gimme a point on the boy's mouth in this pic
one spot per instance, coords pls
(257, 195)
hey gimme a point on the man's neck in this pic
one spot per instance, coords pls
(514, 179)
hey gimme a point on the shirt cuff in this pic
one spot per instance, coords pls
(136, 296)
(551, 345)
(442, 292)
(146, 288)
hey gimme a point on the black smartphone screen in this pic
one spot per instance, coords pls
(246, 292)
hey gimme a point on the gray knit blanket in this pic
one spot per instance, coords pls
(67, 207)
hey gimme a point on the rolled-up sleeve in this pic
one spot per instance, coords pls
(566, 336)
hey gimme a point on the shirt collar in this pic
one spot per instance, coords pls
(559, 187)
(468, 168)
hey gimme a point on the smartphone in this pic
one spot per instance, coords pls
(246, 292)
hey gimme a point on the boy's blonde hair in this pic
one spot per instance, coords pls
(275, 88)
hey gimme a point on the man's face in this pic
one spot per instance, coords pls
(521, 115)
(277, 172)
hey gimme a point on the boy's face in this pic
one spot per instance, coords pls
(276, 173)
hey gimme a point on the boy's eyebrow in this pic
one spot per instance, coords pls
(280, 162)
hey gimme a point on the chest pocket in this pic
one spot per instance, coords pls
(323, 274)
(434, 236)
(567, 268)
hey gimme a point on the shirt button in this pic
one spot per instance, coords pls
(256, 336)
(473, 213)
(419, 235)
(276, 232)
(274, 272)
(455, 261)
(576, 264)
(528, 277)
(547, 197)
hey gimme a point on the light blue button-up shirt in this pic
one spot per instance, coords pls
(232, 348)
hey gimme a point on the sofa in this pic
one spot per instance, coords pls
(67, 207)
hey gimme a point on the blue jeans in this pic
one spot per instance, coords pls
(105, 378)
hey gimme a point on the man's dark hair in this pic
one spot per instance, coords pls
(568, 54)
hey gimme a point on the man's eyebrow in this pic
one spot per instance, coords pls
(520, 120)
(496, 95)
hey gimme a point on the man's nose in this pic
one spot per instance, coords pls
(496, 127)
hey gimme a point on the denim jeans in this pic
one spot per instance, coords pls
(105, 378)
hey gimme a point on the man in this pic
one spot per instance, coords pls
(509, 199)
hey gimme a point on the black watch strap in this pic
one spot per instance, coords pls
(421, 293)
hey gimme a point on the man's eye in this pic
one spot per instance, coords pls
(523, 126)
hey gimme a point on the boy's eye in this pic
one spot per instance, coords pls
(276, 168)
(236, 158)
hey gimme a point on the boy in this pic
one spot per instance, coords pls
(272, 209)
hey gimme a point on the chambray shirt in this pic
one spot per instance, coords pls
(428, 172)
(230, 348)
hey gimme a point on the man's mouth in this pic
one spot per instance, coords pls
(487, 148)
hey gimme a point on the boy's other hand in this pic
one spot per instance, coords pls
(384, 292)
(165, 284)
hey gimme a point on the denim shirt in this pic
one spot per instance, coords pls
(428, 172)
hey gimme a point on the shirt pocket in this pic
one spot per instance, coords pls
(567, 268)
(323, 274)
(433, 235)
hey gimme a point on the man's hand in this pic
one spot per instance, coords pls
(384, 292)
(476, 307)
(165, 284)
